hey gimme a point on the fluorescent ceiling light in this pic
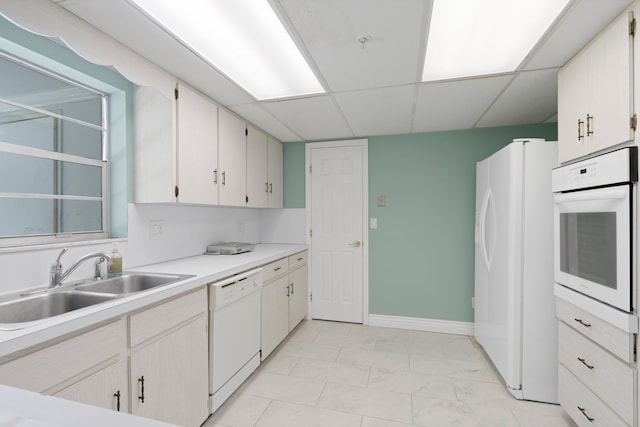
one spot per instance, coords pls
(472, 38)
(244, 39)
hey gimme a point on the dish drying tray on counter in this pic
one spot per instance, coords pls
(229, 248)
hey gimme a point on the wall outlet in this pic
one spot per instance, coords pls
(156, 229)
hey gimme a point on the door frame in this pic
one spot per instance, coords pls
(364, 144)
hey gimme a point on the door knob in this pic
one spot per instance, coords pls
(355, 244)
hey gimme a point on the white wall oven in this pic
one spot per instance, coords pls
(594, 225)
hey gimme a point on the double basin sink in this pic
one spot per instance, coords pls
(22, 310)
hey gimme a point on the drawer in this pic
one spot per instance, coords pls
(582, 405)
(155, 321)
(275, 269)
(297, 260)
(52, 368)
(603, 373)
(605, 334)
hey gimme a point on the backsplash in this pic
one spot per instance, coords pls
(157, 233)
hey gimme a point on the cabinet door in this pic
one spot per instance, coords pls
(232, 159)
(572, 101)
(257, 177)
(106, 388)
(298, 296)
(275, 169)
(275, 315)
(169, 380)
(610, 100)
(155, 150)
(197, 155)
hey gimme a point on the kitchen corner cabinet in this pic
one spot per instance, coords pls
(284, 299)
(89, 368)
(168, 361)
(596, 373)
(232, 163)
(595, 94)
(176, 147)
(264, 170)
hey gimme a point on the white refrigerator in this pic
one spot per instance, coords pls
(514, 304)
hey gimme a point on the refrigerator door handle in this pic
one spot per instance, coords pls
(487, 205)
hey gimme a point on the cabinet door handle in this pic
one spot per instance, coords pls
(582, 322)
(589, 120)
(287, 290)
(584, 412)
(355, 244)
(141, 382)
(271, 188)
(117, 396)
(224, 178)
(584, 362)
(292, 289)
(215, 176)
(266, 187)
(580, 135)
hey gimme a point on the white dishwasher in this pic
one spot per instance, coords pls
(234, 333)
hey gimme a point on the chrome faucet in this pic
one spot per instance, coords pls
(57, 275)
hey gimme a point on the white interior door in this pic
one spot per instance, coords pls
(337, 212)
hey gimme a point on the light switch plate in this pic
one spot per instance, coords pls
(373, 223)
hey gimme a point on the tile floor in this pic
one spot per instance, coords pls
(345, 375)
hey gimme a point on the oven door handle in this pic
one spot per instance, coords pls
(587, 196)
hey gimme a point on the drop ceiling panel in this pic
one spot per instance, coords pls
(455, 104)
(379, 111)
(531, 98)
(329, 30)
(260, 117)
(581, 23)
(124, 23)
(312, 118)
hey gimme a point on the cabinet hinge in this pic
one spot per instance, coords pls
(632, 27)
(176, 191)
(633, 123)
(175, 93)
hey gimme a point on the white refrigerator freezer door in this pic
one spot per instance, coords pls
(498, 261)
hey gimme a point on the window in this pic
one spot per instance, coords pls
(53, 161)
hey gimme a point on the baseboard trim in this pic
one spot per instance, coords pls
(420, 324)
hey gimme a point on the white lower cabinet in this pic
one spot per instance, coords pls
(597, 376)
(152, 363)
(89, 368)
(169, 361)
(284, 299)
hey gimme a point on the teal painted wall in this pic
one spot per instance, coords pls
(59, 59)
(421, 257)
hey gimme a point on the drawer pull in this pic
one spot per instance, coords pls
(583, 323)
(585, 363)
(584, 412)
(300, 259)
(277, 268)
(141, 383)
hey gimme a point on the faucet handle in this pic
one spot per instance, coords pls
(62, 252)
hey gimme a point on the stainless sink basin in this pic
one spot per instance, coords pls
(131, 283)
(47, 304)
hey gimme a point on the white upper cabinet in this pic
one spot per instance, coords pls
(275, 173)
(264, 170)
(197, 148)
(176, 147)
(232, 163)
(595, 94)
(257, 172)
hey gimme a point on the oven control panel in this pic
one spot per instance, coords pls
(617, 167)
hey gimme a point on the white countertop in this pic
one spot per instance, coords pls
(21, 408)
(205, 268)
